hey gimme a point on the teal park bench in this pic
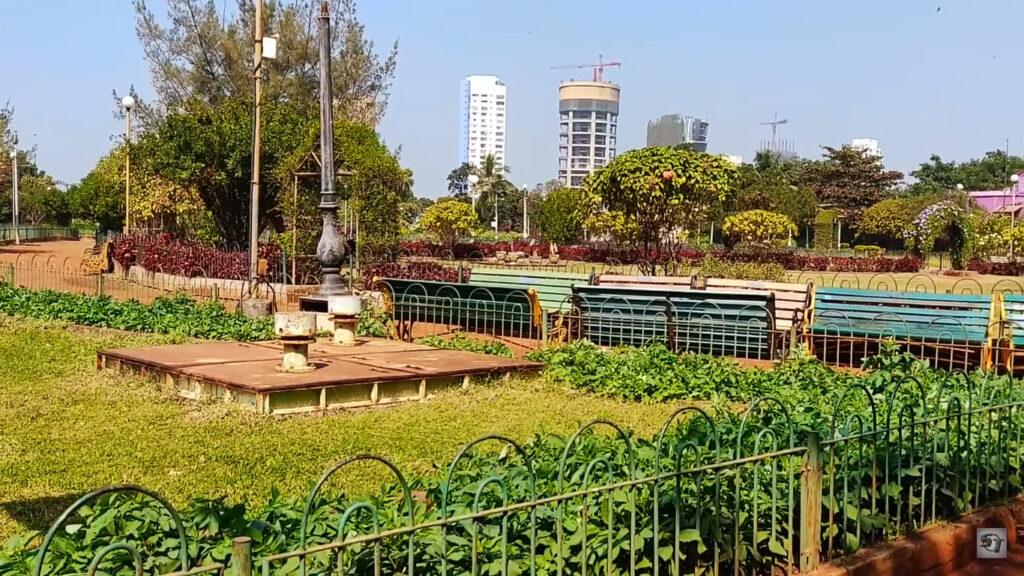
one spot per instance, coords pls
(553, 289)
(724, 323)
(495, 310)
(959, 320)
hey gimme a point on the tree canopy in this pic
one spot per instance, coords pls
(201, 52)
(661, 193)
(990, 172)
(848, 179)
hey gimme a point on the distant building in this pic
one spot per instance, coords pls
(588, 119)
(868, 145)
(482, 109)
(734, 159)
(676, 129)
(1005, 201)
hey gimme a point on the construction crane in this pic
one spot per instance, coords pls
(598, 68)
(775, 123)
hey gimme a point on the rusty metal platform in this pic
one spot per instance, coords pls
(374, 372)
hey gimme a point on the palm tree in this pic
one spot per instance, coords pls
(491, 184)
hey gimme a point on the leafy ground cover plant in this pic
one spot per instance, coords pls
(880, 480)
(467, 344)
(176, 315)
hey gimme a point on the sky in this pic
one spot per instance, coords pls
(923, 77)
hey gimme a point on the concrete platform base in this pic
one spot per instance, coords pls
(371, 373)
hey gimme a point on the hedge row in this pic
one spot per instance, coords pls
(162, 253)
(692, 256)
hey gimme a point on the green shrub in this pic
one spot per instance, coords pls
(825, 230)
(869, 251)
(561, 216)
(759, 227)
(467, 344)
(711, 267)
(178, 315)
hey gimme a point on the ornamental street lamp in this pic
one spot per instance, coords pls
(1013, 213)
(128, 103)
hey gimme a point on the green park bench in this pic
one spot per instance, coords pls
(496, 310)
(553, 289)
(722, 323)
(953, 320)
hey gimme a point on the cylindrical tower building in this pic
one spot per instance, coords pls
(587, 129)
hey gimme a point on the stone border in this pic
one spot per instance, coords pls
(935, 551)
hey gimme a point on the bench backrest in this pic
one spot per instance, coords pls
(730, 323)
(1012, 325)
(457, 303)
(553, 288)
(792, 301)
(683, 282)
(949, 318)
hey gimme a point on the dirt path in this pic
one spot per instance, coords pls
(72, 250)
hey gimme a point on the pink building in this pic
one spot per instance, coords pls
(1005, 201)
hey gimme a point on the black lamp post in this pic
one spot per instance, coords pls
(331, 249)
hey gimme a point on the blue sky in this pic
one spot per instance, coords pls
(921, 81)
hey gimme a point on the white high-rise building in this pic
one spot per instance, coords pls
(482, 111)
(868, 145)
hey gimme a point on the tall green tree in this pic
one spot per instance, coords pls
(201, 52)
(849, 179)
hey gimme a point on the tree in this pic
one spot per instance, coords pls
(988, 173)
(448, 221)
(849, 179)
(7, 143)
(561, 216)
(768, 188)
(207, 149)
(41, 201)
(458, 182)
(491, 185)
(198, 56)
(660, 192)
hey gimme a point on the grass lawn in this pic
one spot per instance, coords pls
(67, 429)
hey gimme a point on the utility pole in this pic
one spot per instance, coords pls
(526, 222)
(257, 94)
(14, 195)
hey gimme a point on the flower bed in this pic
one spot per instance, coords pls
(998, 268)
(431, 271)
(162, 253)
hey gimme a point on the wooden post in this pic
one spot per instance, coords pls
(810, 506)
(241, 555)
(99, 284)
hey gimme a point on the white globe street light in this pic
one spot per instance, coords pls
(127, 102)
(473, 179)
